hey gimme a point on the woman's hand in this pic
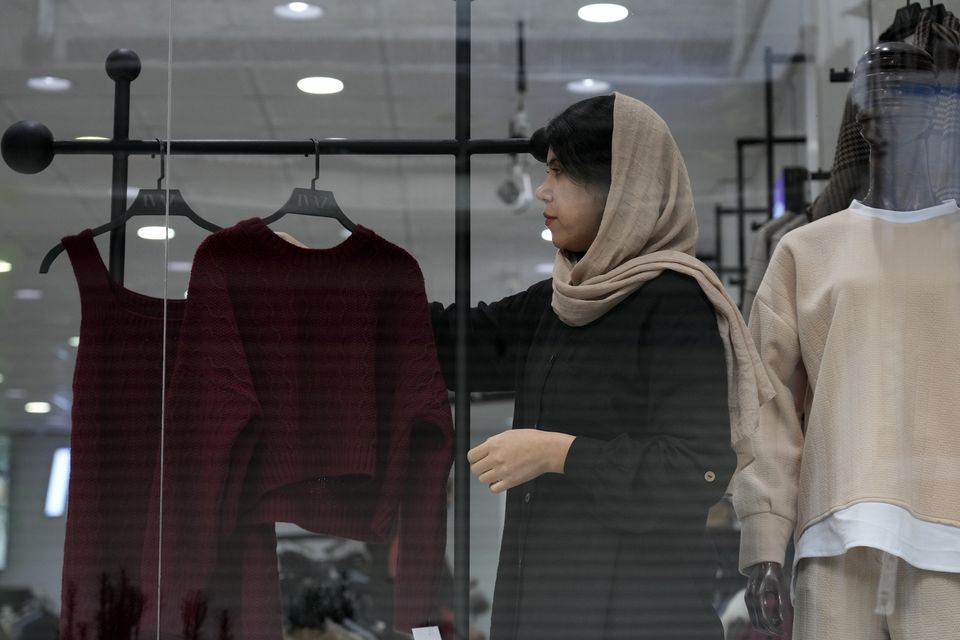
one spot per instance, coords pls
(513, 457)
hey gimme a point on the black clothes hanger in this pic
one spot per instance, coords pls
(313, 202)
(904, 22)
(937, 12)
(152, 202)
(149, 202)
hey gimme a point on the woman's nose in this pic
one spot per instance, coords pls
(541, 192)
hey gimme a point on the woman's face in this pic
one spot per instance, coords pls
(571, 211)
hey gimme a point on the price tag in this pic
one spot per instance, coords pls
(427, 633)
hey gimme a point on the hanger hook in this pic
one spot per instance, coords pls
(316, 163)
(163, 163)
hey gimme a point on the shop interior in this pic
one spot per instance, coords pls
(753, 91)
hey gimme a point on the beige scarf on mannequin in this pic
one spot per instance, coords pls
(649, 225)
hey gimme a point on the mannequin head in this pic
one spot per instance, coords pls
(895, 90)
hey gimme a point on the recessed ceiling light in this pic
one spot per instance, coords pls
(603, 13)
(546, 235)
(5, 267)
(28, 294)
(155, 233)
(319, 85)
(49, 84)
(297, 11)
(90, 138)
(37, 407)
(74, 341)
(179, 266)
(588, 85)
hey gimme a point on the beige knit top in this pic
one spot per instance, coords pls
(858, 323)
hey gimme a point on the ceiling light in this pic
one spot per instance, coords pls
(5, 266)
(74, 341)
(49, 84)
(155, 233)
(546, 235)
(602, 13)
(179, 266)
(297, 11)
(28, 294)
(56, 503)
(90, 138)
(588, 85)
(319, 85)
(37, 407)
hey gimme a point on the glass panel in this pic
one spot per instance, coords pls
(81, 352)
(296, 381)
(309, 437)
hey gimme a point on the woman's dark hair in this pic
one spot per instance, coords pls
(582, 140)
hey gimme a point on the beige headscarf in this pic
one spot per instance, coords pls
(649, 225)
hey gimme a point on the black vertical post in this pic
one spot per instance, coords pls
(768, 99)
(741, 222)
(718, 237)
(461, 573)
(123, 66)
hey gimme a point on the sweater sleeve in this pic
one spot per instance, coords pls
(673, 459)
(421, 455)
(765, 485)
(499, 334)
(210, 401)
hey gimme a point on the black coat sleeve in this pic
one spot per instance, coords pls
(499, 334)
(673, 459)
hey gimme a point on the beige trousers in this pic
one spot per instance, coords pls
(836, 598)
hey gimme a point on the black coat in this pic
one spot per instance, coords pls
(614, 547)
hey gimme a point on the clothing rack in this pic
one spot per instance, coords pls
(29, 147)
(769, 141)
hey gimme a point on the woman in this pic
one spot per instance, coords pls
(623, 415)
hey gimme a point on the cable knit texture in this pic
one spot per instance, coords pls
(306, 390)
(856, 320)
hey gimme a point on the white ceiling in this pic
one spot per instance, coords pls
(697, 62)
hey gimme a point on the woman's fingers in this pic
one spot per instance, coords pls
(488, 477)
(478, 453)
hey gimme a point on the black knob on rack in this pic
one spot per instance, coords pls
(123, 65)
(27, 146)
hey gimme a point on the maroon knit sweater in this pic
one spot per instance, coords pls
(114, 441)
(306, 389)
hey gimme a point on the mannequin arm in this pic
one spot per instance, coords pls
(765, 597)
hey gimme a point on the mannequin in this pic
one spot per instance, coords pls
(895, 86)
